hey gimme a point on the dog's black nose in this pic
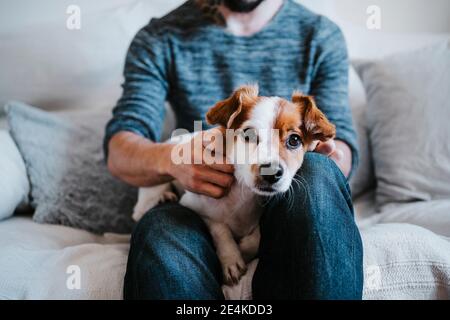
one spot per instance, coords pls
(270, 172)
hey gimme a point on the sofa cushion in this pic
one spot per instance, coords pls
(70, 183)
(364, 178)
(433, 215)
(14, 185)
(408, 112)
(401, 261)
(38, 261)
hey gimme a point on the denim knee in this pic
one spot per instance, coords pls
(319, 199)
(321, 173)
(172, 257)
(147, 228)
(154, 227)
(309, 238)
(320, 184)
(159, 233)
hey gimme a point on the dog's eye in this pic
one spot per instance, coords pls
(250, 135)
(294, 141)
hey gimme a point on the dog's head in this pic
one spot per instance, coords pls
(270, 136)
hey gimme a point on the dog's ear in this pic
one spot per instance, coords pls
(226, 111)
(315, 126)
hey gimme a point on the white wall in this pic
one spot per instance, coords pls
(45, 64)
(405, 24)
(399, 16)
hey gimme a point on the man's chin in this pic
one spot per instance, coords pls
(242, 6)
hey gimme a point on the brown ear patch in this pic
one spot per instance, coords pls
(315, 125)
(225, 113)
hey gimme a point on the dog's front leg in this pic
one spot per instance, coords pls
(233, 265)
(249, 245)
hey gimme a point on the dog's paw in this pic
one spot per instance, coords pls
(168, 196)
(233, 269)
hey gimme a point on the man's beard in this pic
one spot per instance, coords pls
(242, 5)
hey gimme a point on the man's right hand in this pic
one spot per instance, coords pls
(143, 163)
(212, 180)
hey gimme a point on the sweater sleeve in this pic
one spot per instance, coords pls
(330, 83)
(141, 109)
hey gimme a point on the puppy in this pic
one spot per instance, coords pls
(271, 162)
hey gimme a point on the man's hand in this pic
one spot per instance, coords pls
(339, 152)
(143, 163)
(213, 180)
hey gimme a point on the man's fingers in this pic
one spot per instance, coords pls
(326, 148)
(226, 168)
(213, 139)
(337, 155)
(211, 190)
(313, 145)
(213, 176)
(213, 142)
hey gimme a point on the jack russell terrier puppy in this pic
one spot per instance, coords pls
(269, 168)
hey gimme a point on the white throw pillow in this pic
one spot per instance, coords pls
(14, 185)
(408, 112)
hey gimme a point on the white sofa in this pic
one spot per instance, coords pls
(406, 250)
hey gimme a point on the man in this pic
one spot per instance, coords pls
(194, 57)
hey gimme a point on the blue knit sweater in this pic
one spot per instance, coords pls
(187, 60)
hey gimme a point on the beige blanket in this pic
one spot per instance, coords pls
(401, 261)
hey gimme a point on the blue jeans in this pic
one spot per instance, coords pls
(310, 247)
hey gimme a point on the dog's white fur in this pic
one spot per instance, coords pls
(234, 219)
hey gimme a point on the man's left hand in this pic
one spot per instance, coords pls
(339, 152)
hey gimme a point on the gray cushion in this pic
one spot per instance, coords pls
(70, 184)
(14, 185)
(408, 112)
(364, 178)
